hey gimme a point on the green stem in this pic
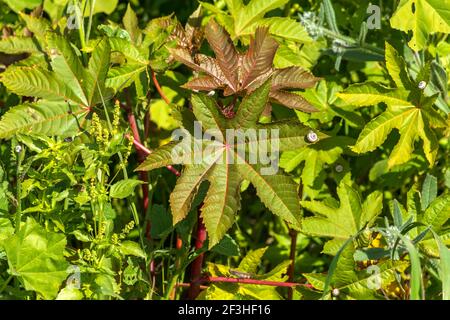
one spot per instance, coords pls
(332, 35)
(79, 16)
(5, 284)
(125, 174)
(18, 216)
(88, 34)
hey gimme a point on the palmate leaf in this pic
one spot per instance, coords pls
(315, 158)
(67, 91)
(276, 190)
(408, 110)
(240, 73)
(36, 256)
(422, 17)
(342, 221)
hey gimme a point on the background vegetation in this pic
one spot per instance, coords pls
(93, 207)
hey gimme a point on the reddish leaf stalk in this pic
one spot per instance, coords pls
(158, 88)
(148, 151)
(142, 175)
(254, 281)
(140, 153)
(197, 264)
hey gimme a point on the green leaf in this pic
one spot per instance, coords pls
(36, 256)
(371, 93)
(20, 5)
(252, 260)
(411, 121)
(253, 12)
(132, 248)
(287, 29)
(98, 70)
(422, 17)
(397, 69)
(67, 65)
(345, 221)
(44, 117)
(130, 21)
(39, 83)
(161, 221)
(429, 191)
(6, 229)
(223, 164)
(352, 284)
(185, 190)
(123, 76)
(101, 6)
(227, 247)
(416, 289)
(222, 202)
(444, 267)
(124, 188)
(16, 45)
(437, 213)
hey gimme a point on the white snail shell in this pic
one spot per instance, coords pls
(312, 136)
(422, 85)
(335, 292)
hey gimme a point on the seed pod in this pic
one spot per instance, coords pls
(312, 137)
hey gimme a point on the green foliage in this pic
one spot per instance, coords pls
(100, 199)
(221, 203)
(36, 256)
(408, 110)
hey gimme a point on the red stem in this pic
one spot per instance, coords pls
(158, 88)
(143, 175)
(148, 151)
(197, 264)
(255, 281)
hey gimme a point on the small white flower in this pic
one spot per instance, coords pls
(422, 85)
(312, 136)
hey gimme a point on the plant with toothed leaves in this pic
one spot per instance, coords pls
(226, 167)
(241, 73)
